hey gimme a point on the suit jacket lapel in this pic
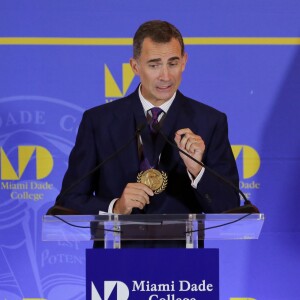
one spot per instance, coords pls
(126, 120)
(176, 118)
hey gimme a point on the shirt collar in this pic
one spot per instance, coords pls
(147, 105)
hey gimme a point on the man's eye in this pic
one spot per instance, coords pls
(173, 64)
(153, 66)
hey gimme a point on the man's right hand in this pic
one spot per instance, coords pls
(135, 195)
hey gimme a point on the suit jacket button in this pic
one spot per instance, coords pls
(207, 198)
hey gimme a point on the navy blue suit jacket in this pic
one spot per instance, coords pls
(106, 128)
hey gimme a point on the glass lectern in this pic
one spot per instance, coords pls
(113, 228)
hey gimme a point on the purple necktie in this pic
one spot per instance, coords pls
(152, 121)
(155, 112)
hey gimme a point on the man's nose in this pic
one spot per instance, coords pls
(164, 73)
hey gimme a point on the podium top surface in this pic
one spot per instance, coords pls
(152, 227)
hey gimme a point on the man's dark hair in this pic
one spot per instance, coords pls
(159, 32)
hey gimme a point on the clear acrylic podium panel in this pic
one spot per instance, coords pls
(152, 227)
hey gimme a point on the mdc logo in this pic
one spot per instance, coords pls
(249, 157)
(112, 90)
(116, 290)
(43, 162)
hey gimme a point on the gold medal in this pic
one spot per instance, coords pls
(154, 179)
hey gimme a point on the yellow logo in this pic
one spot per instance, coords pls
(43, 161)
(250, 159)
(112, 90)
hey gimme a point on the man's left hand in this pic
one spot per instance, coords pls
(193, 144)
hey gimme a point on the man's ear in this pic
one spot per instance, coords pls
(134, 66)
(185, 58)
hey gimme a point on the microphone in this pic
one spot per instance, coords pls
(58, 209)
(248, 207)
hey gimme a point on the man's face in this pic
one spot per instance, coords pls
(160, 68)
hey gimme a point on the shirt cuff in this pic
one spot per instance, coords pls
(111, 206)
(194, 182)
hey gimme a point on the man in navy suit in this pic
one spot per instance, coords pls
(159, 59)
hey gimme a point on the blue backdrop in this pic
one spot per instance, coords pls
(58, 58)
